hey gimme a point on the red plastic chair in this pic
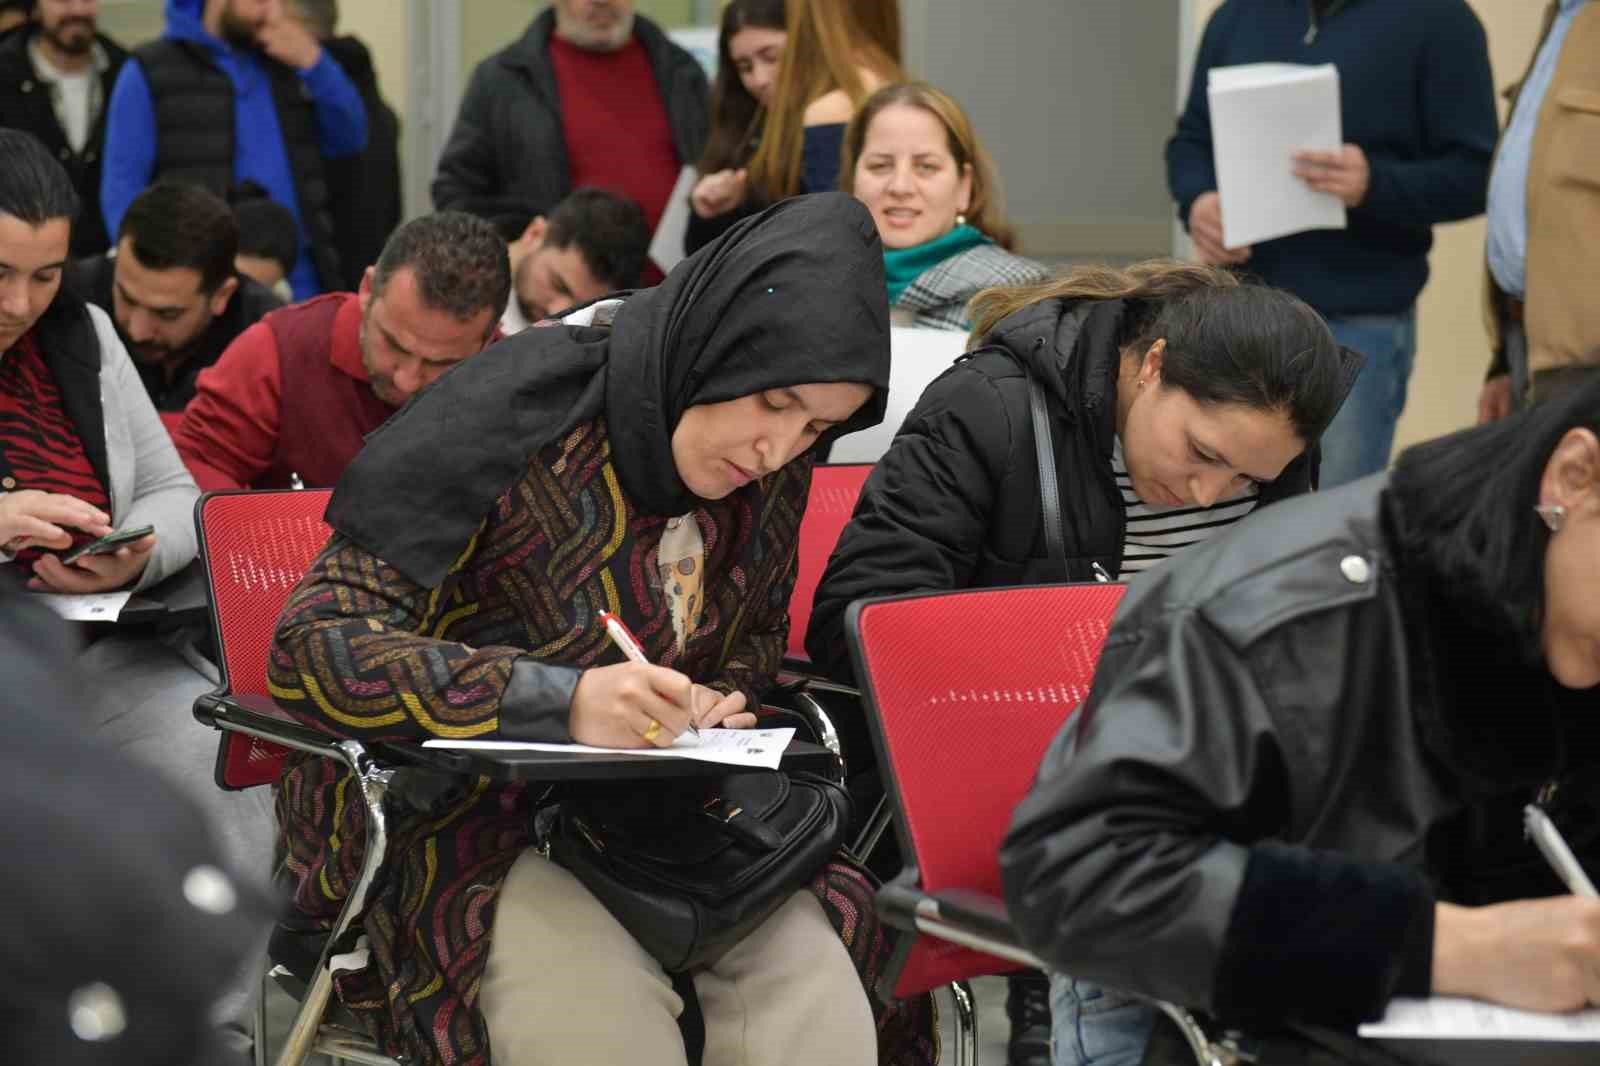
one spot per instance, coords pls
(254, 547)
(964, 691)
(834, 489)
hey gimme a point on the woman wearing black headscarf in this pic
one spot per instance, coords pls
(650, 457)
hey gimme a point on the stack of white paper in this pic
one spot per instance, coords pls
(1261, 114)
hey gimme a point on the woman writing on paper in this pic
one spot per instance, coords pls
(1177, 401)
(1305, 739)
(649, 457)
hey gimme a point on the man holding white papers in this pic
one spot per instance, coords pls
(1544, 215)
(1417, 128)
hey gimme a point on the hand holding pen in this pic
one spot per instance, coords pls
(707, 706)
(624, 639)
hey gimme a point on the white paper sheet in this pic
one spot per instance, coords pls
(1261, 114)
(98, 607)
(666, 246)
(1448, 1018)
(762, 748)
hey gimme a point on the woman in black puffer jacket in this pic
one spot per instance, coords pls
(1177, 400)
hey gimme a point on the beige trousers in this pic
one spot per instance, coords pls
(564, 984)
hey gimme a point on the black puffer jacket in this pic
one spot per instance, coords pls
(1289, 726)
(954, 503)
(507, 140)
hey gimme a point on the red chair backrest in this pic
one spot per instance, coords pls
(834, 488)
(965, 690)
(254, 547)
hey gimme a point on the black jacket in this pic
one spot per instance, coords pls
(364, 189)
(25, 105)
(92, 280)
(507, 140)
(1254, 810)
(954, 502)
(195, 114)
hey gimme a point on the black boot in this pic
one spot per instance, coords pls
(1028, 1007)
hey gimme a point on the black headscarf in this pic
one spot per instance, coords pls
(792, 296)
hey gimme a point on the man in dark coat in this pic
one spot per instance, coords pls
(56, 74)
(364, 188)
(591, 95)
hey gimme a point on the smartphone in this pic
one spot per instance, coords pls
(107, 544)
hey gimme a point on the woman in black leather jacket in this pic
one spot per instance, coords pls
(1258, 809)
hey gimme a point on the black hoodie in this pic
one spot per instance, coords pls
(954, 503)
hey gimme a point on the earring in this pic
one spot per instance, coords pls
(961, 219)
(1553, 514)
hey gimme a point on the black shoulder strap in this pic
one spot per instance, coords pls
(1049, 489)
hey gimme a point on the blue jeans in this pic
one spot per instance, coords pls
(1091, 1025)
(1359, 440)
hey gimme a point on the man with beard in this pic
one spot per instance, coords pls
(593, 243)
(591, 95)
(291, 401)
(236, 90)
(56, 73)
(172, 288)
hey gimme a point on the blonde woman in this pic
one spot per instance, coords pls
(912, 156)
(837, 53)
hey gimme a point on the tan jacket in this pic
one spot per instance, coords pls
(1562, 314)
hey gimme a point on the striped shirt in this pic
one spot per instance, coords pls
(1153, 533)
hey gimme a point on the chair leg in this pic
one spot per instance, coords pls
(966, 1021)
(259, 1037)
(873, 831)
(374, 783)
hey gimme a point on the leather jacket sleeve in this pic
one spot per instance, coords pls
(1149, 854)
(537, 702)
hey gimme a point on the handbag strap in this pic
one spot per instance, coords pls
(1049, 489)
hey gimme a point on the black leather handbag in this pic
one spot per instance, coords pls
(691, 867)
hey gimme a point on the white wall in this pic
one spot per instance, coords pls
(1074, 98)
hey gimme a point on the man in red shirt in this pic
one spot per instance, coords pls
(293, 398)
(591, 95)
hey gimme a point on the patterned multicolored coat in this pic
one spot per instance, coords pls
(365, 651)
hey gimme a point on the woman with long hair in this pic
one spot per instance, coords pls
(1177, 400)
(912, 156)
(649, 455)
(750, 46)
(1273, 805)
(838, 52)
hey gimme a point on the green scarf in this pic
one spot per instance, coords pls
(902, 266)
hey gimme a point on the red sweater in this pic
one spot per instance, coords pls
(289, 396)
(615, 123)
